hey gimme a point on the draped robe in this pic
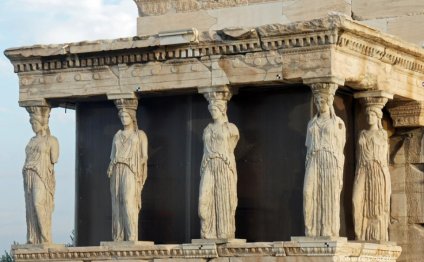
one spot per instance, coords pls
(218, 185)
(127, 172)
(39, 185)
(325, 142)
(372, 187)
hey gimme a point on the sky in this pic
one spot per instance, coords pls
(30, 22)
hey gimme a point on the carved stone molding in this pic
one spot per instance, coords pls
(270, 54)
(312, 250)
(407, 113)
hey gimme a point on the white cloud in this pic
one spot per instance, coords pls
(61, 21)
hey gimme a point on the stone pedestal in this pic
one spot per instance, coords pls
(126, 243)
(298, 249)
(218, 241)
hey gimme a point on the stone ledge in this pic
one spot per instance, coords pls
(312, 249)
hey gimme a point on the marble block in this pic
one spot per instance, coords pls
(126, 243)
(218, 241)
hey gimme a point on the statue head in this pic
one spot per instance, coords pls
(127, 112)
(374, 116)
(324, 97)
(39, 119)
(374, 110)
(218, 109)
(218, 104)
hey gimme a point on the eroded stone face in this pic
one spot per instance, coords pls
(407, 201)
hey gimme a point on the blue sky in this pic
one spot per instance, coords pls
(29, 22)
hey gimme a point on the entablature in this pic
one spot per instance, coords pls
(334, 46)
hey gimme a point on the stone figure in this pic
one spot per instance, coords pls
(127, 172)
(372, 187)
(325, 141)
(42, 152)
(218, 185)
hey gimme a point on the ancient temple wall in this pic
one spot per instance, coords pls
(400, 18)
(205, 15)
(407, 172)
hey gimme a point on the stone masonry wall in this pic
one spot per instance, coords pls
(402, 18)
(407, 202)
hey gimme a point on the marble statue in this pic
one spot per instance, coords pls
(372, 187)
(218, 185)
(42, 152)
(127, 172)
(325, 141)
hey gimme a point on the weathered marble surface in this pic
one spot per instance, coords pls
(372, 187)
(271, 54)
(127, 172)
(163, 15)
(218, 171)
(325, 141)
(299, 249)
(407, 201)
(42, 152)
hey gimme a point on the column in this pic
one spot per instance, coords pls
(325, 141)
(372, 186)
(127, 172)
(218, 185)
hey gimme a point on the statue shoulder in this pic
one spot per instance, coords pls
(117, 133)
(340, 123)
(312, 121)
(207, 128)
(53, 141)
(232, 128)
(141, 133)
(384, 134)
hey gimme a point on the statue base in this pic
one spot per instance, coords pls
(38, 246)
(298, 249)
(218, 241)
(126, 243)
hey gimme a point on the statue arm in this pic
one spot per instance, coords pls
(54, 150)
(308, 143)
(112, 158)
(234, 135)
(144, 145)
(144, 156)
(342, 134)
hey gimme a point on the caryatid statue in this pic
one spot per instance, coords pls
(325, 141)
(127, 172)
(42, 152)
(372, 187)
(218, 185)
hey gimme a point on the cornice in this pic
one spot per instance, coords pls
(334, 46)
(334, 30)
